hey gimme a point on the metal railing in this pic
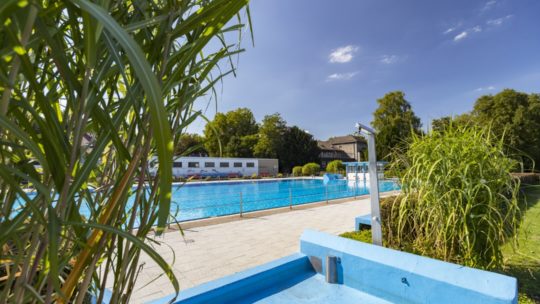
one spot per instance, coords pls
(248, 201)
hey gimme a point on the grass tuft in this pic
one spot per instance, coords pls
(459, 202)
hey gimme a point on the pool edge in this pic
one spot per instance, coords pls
(260, 213)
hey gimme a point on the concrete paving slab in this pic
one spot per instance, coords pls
(210, 252)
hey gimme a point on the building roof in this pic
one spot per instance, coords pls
(345, 139)
(323, 145)
(332, 141)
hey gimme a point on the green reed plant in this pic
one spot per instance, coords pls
(459, 202)
(90, 92)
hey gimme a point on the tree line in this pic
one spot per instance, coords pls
(512, 116)
(237, 134)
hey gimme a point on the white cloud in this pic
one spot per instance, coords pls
(498, 21)
(341, 76)
(449, 30)
(467, 32)
(489, 88)
(490, 4)
(343, 54)
(460, 36)
(453, 28)
(389, 59)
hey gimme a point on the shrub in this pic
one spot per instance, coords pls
(297, 171)
(459, 202)
(279, 175)
(311, 169)
(362, 236)
(335, 166)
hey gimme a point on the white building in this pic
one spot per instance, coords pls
(222, 167)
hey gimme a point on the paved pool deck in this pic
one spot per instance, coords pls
(206, 253)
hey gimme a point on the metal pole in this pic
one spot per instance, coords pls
(241, 204)
(290, 198)
(356, 181)
(326, 191)
(355, 188)
(376, 230)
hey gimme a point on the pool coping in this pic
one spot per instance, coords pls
(245, 180)
(205, 292)
(384, 273)
(260, 213)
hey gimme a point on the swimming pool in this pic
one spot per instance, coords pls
(203, 200)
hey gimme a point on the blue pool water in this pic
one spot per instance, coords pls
(197, 201)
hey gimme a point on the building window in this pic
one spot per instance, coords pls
(224, 165)
(177, 164)
(209, 164)
(250, 165)
(193, 164)
(238, 165)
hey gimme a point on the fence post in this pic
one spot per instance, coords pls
(326, 191)
(355, 189)
(290, 198)
(241, 204)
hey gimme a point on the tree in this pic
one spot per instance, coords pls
(190, 144)
(241, 146)
(395, 122)
(231, 128)
(444, 123)
(515, 117)
(298, 148)
(441, 124)
(270, 139)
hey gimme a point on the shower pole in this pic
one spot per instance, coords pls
(376, 230)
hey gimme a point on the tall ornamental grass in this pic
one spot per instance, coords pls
(459, 202)
(90, 92)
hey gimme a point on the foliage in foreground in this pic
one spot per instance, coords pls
(90, 92)
(521, 262)
(459, 203)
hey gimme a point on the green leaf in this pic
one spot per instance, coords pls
(137, 242)
(158, 116)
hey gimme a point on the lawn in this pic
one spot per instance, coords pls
(522, 262)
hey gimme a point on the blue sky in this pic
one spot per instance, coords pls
(323, 64)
